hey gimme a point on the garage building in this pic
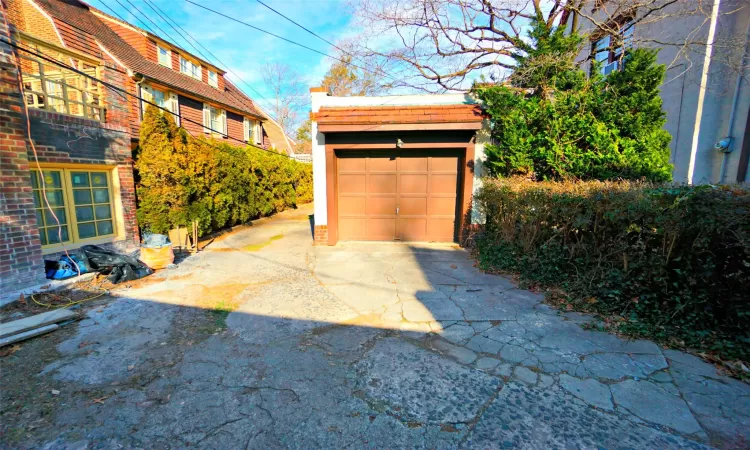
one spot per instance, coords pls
(395, 168)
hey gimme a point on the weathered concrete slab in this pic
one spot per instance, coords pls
(590, 391)
(527, 417)
(422, 385)
(652, 403)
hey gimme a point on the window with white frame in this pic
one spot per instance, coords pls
(165, 56)
(190, 68)
(213, 79)
(258, 132)
(166, 100)
(214, 120)
(253, 131)
(609, 50)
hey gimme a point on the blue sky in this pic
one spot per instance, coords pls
(246, 50)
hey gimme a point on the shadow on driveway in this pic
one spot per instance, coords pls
(355, 346)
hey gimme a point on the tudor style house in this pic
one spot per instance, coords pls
(84, 132)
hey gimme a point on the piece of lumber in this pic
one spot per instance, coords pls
(27, 335)
(39, 320)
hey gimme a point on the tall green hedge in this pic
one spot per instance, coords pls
(558, 123)
(182, 178)
(662, 261)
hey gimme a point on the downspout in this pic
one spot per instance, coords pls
(702, 89)
(139, 79)
(730, 127)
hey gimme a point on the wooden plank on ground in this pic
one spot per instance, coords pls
(27, 335)
(39, 320)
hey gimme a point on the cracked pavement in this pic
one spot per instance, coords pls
(362, 345)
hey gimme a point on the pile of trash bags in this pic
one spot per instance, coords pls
(92, 258)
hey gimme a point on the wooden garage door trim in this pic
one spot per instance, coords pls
(466, 178)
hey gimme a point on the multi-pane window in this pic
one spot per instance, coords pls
(80, 199)
(93, 204)
(608, 50)
(253, 131)
(49, 231)
(214, 120)
(54, 87)
(166, 100)
(165, 56)
(190, 68)
(213, 79)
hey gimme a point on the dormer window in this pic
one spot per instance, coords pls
(190, 68)
(165, 56)
(213, 79)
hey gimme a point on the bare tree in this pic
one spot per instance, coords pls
(289, 94)
(352, 75)
(444, 44)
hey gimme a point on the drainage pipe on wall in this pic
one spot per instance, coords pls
(702, 90)
(733, 113)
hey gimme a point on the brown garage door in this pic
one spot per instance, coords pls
(408, 196)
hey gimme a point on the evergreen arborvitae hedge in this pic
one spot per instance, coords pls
(182, 178)
(556, 123)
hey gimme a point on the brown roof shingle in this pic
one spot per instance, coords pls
(366, 115)
(79, 15)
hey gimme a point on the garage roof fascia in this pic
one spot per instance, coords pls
(396, 113)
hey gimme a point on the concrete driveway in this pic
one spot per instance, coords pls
(263, 341)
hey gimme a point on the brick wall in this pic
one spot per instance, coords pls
(321, 234)
(22, 13)
(20, 247)
(59, 139)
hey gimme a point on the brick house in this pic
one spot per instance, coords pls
(84, 132)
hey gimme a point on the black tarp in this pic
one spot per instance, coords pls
(119, 267)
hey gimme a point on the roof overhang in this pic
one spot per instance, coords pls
(343, 128)
(339, 119)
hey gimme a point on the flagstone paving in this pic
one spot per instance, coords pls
(362, 345)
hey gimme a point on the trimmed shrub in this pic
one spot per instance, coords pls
(661, 261)
(183, 178)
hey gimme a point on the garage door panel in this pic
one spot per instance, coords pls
(440, 229)
(413, 184)
(444, 164)
(353, 228)
(380, 206)
(352, 165)
(383, 165)
(352, 205)
(412, 206)
(381, 183)
(443, 184)
(412, 229)
(441, 206)
(413, 165)
(352, 184)
(381, 229)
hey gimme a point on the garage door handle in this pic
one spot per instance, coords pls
(397, 211)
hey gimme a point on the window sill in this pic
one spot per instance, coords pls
(56, 248)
